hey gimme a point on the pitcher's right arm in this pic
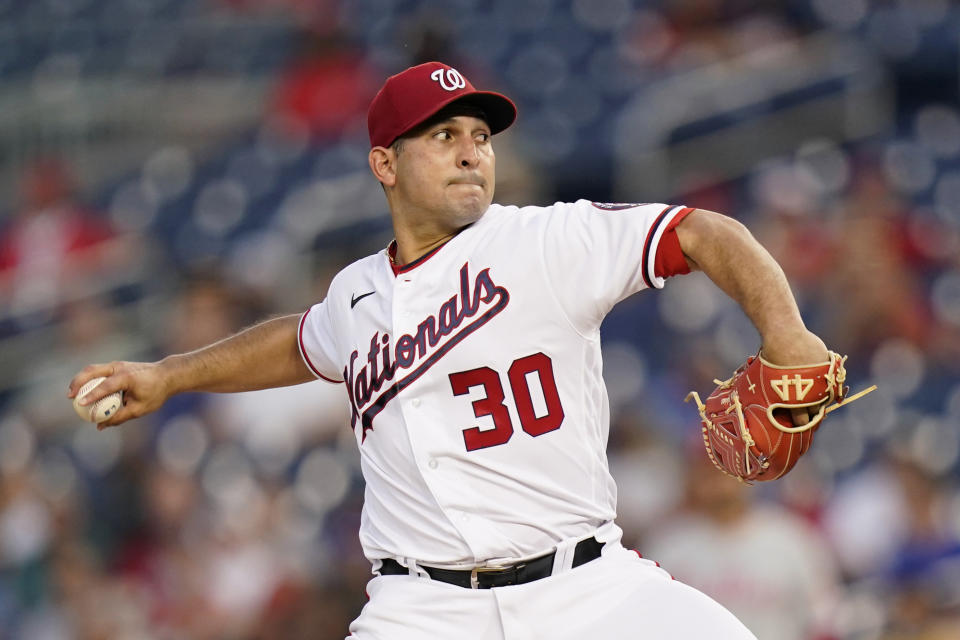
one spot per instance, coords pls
(262, 356)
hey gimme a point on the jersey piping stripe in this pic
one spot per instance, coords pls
(403, 268)
(411, 265)
(640, 555)
(647, 268)
(303, 350)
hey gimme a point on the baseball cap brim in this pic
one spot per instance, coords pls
(499, 111)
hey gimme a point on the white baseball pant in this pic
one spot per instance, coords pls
(619, 595)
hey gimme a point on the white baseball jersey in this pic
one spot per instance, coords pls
(474, 377)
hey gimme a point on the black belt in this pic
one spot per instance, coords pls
(485, 578)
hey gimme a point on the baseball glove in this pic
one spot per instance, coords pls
(747, 426)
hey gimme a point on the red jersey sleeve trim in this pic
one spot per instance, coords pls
(303, 351)
(670, 260)
(652, 243)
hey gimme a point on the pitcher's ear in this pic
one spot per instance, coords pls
(383, 163)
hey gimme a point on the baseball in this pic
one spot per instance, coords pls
(102, 409)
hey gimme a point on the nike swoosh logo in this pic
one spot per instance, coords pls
(354, 299)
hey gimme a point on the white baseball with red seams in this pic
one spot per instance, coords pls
(475, 380)
(102, 409)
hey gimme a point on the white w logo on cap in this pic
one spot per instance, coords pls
(451, 80)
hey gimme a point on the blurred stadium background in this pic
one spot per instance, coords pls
(173, 170)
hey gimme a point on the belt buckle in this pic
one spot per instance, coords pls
(474, 582)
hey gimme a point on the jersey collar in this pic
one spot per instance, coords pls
(404, 268)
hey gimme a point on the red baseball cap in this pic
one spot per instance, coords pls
(410, 97)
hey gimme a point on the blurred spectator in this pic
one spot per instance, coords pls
(649, 477)
(866, 519)
(204, 309)
(706, 31)
(51, 243)
(918, 611)
(926, 567)
(327, 88)
(894, 524)
(795, 227)
(874, 292)
(207, 308)
(770, 568)
(158, 558)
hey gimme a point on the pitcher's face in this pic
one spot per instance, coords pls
(447, 171)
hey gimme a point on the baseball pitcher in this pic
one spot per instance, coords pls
(469, 350)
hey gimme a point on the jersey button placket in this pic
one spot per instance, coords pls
(406, 313)
(403, 300)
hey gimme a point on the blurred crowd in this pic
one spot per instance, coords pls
(236, 516)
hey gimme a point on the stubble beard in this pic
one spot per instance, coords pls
(467, 213)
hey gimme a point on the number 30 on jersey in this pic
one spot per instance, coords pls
(492, 404)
